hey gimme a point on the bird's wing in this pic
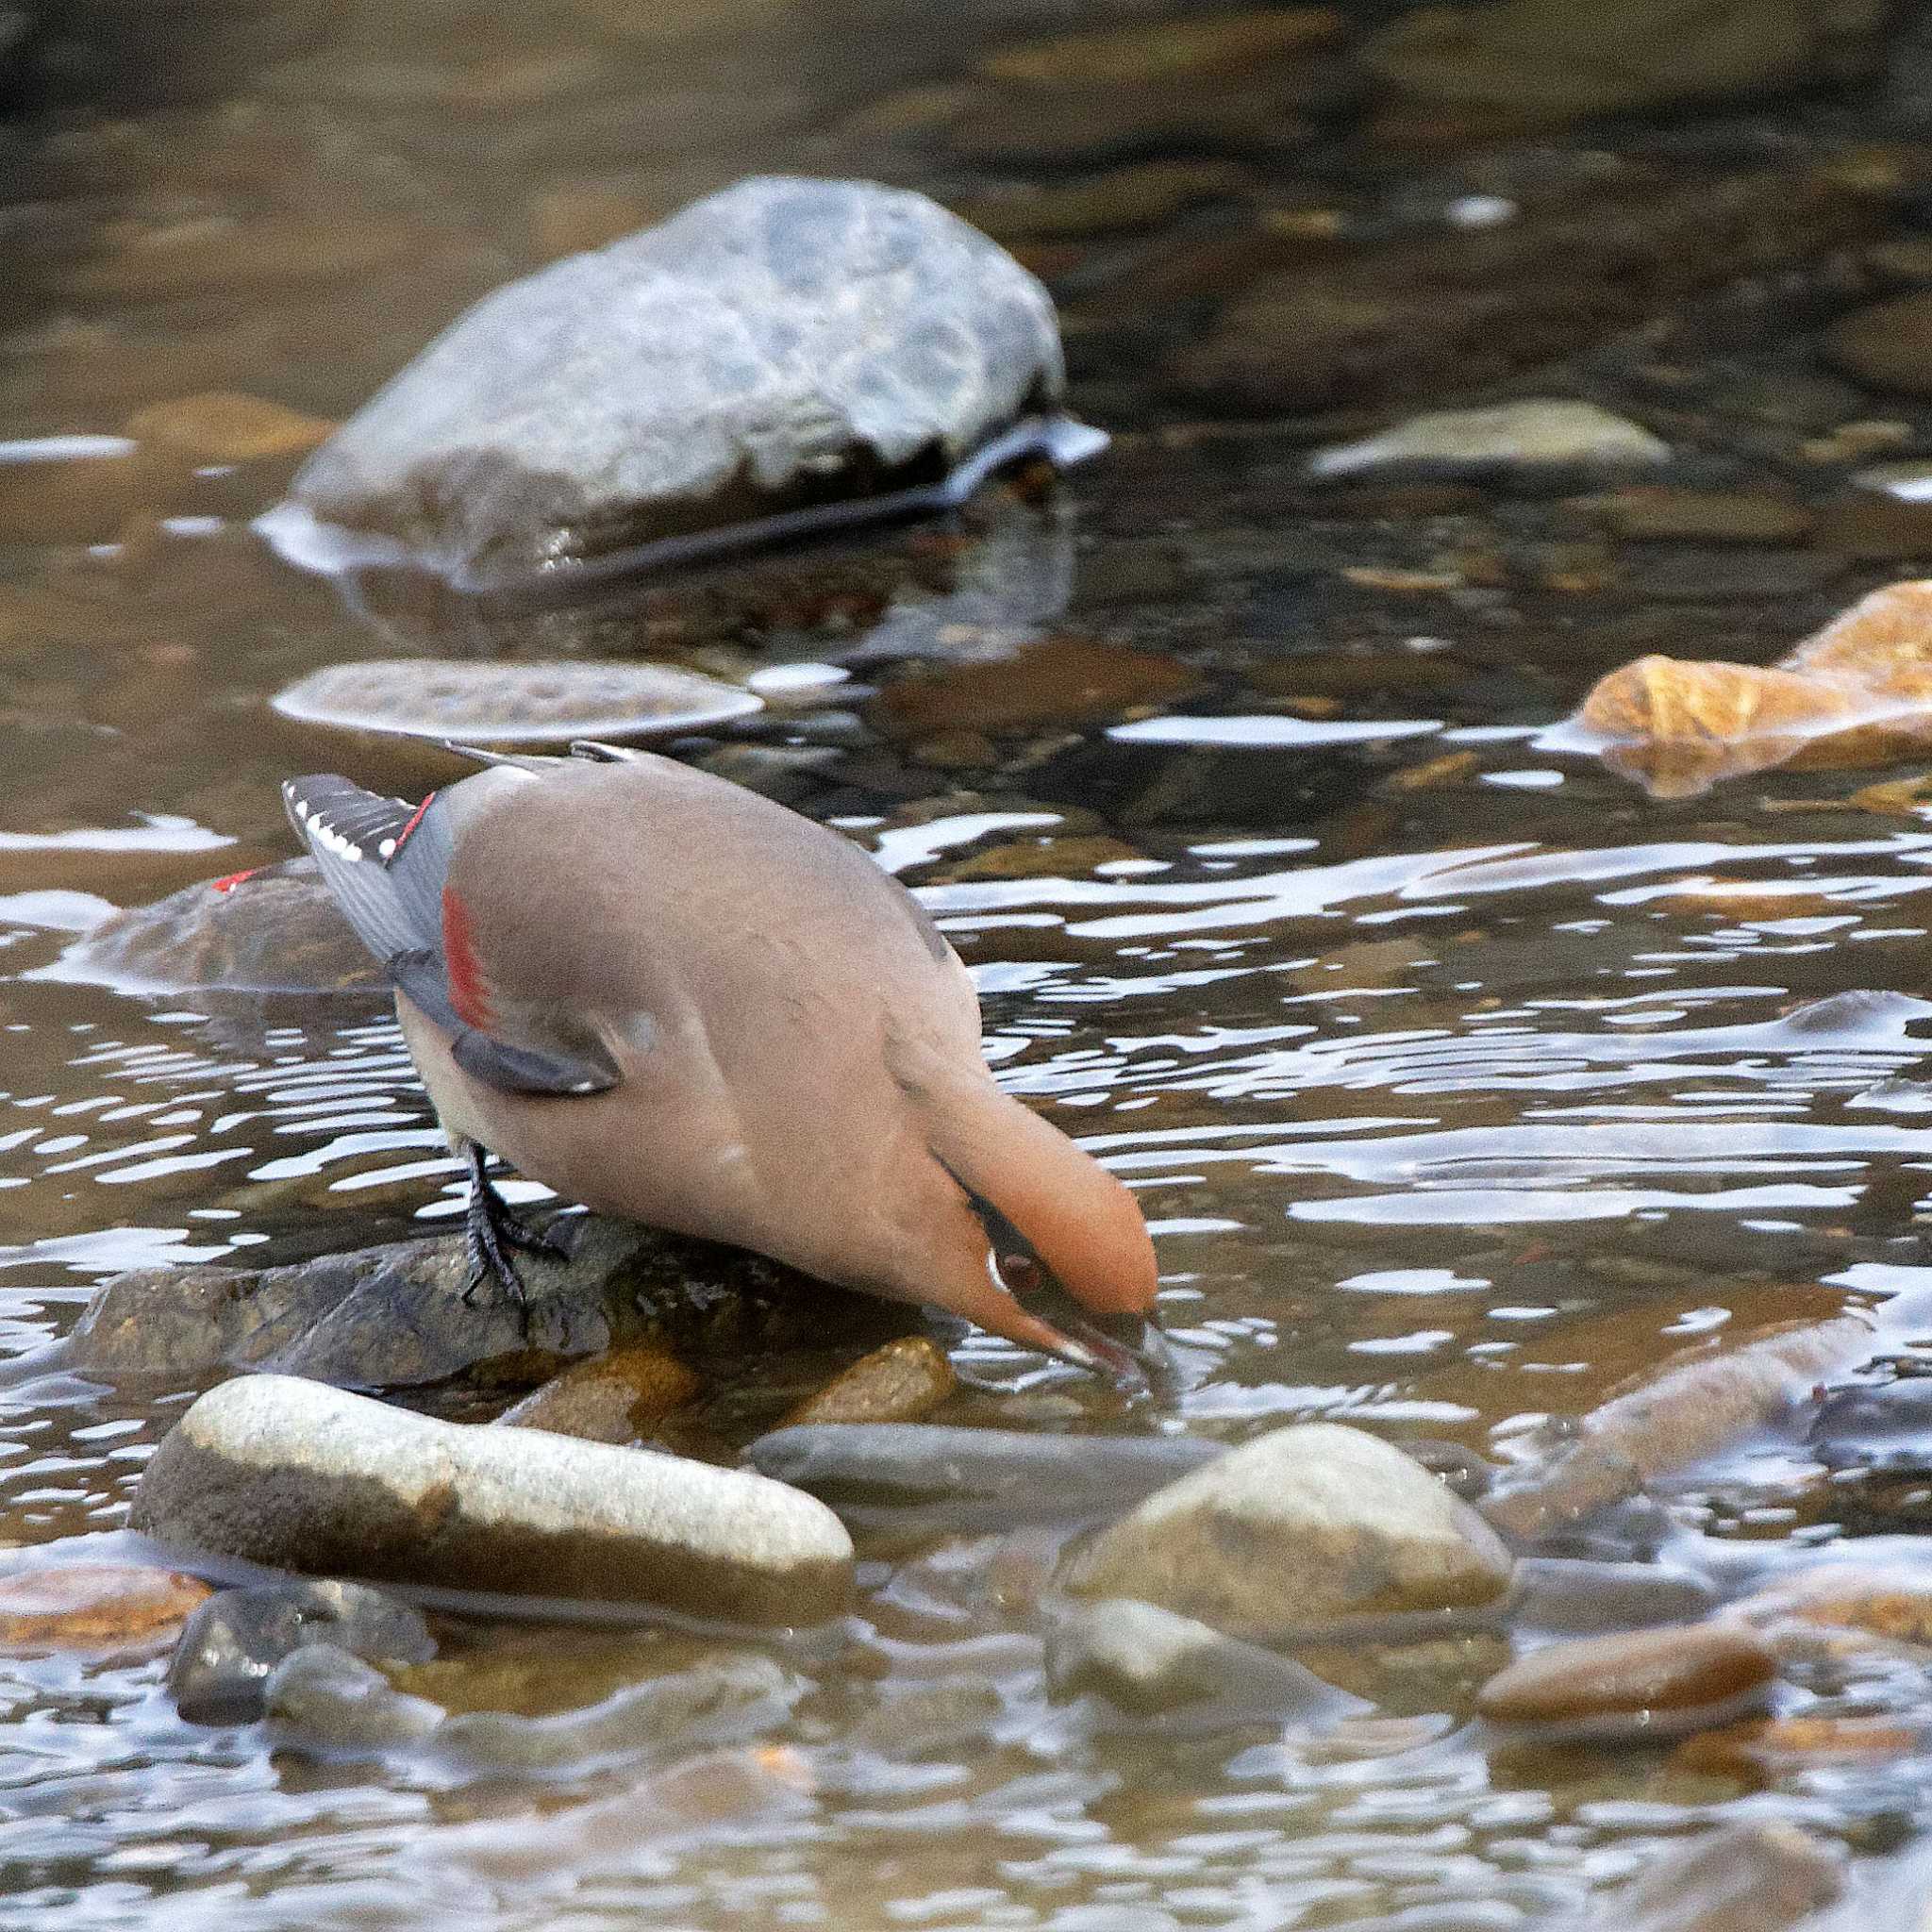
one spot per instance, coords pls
(387, 862)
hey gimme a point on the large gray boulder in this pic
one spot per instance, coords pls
(1298, 1528)
(781, 344)
(293, 1473)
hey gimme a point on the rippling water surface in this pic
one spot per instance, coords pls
(1459, 1080)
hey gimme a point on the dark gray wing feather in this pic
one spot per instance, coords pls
(385, 861)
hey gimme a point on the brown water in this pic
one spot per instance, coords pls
(1452, 1102)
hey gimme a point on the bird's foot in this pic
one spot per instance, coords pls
(491, 1231)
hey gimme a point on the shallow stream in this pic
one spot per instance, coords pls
(1459, 1080)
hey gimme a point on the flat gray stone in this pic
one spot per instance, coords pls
(1302, 1525)
(515, 703)
(782, 343)
(1543, 434)
(293, 1473)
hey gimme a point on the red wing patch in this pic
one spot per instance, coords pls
(233, 879)
(469, 986)
(415, 820)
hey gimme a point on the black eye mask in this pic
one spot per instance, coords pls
(1129, 1348)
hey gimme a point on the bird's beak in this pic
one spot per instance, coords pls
(1130, 1351)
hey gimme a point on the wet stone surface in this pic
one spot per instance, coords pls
(1644, 1675)
(293, 1473)
(396, 1317)
(1297, 1527)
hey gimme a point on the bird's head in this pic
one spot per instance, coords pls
(1045, 1247)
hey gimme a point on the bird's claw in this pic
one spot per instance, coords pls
(491, 1231)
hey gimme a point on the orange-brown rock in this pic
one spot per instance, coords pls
(1678, 726)
(1766, 1749)
(1883, 642)
(224, 426)
(1858, 692)
(93, 1606)
(1895, 1604)
(902, 1382)
(617, 1397)
(1682, 1666)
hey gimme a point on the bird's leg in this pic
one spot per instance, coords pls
(490, 1229)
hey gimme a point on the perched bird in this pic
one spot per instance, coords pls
(675, 1001)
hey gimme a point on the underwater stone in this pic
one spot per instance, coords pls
(275, 930)
(230, 1645)
(1149, 1661)
(892, 1472)
(1545, 433)
(333, 1699)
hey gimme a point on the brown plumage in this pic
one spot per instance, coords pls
(675, 1001)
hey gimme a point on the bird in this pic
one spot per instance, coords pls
(675, 1001)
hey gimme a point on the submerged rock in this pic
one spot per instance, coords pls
(1061, 680)
(879, 1475)
(1893, 1601)
(1757, 1875)
(289, 1472)
(93, 1605)
(618, 1397)
(1765, 1750)
(228, 1647)
(1456, 309)
(783, 343)
(1201, 47)
(1149, 1662)
(1887, 345)
(1676, 1416)
(331, 1698)
(1887, 1426)
(1544, 434)
(1650, 1676)
(1577, 1596)
(520, 704)
(224, 426)
(1541, 64)
(1301, 1525)
(719, 1700)
(275, 930)
(899, 1383)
